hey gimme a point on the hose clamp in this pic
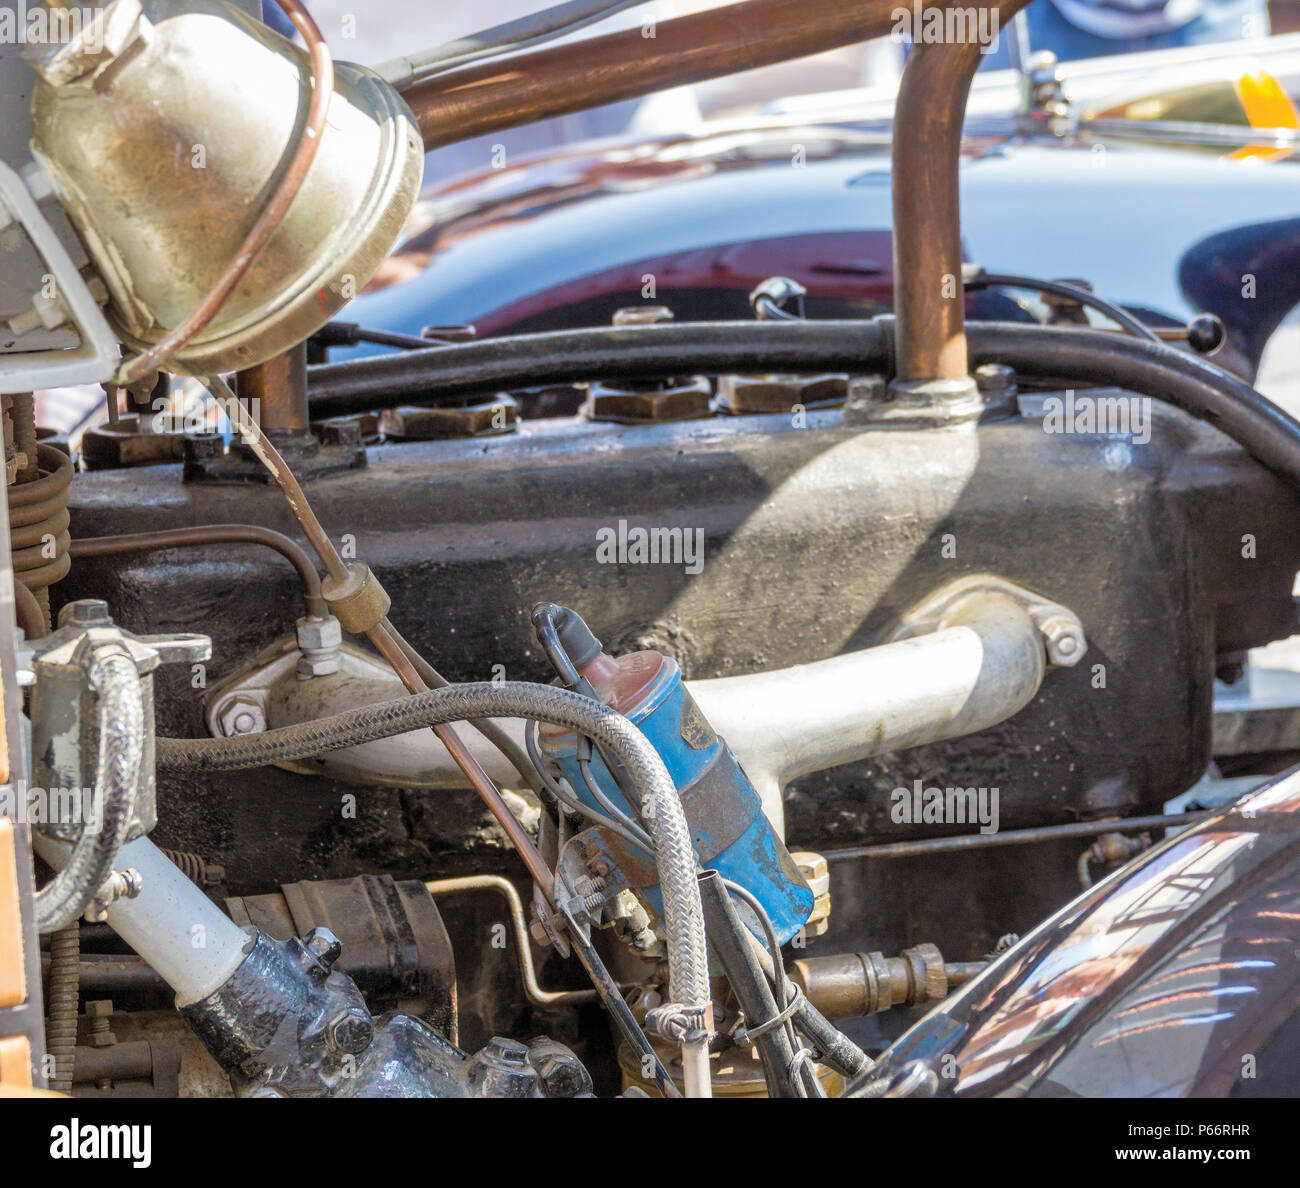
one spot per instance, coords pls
(680, 1024)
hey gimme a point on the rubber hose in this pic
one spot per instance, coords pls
(660, 805)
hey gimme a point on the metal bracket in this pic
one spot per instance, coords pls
(95, 360)
(1062, 631)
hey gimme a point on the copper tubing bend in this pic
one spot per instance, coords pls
(929, 301)
(381, 635)
(502, 93)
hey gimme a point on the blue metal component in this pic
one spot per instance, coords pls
(728, 827)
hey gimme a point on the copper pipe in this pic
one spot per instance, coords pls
(210, 534)
(279, 388)
(382, 635)
(322, 79)
(502, 93)
(929, 300)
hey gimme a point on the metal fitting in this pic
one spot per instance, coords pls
(358, 600)
(475, 418)
(816, 872)
(680, 1024)
(121, 884)
(241, 714)
(753, 394)
(852, 984)
(320, 641)
(630, 404)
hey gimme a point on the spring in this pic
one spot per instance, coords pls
(61, 1030)
(193, 867)
(38, 522)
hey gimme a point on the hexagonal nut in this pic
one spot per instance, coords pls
(350, 1031)
(485, 418)
(1065, 642)
(241, 714)
(323, 946)
(537, 930)
(685, 401)
(750, 394)
(318, 666)
(317, 635)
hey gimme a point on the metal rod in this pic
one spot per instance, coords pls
(278, 391)
(614, 1002)
(929, 301)
(1013, 837)
(519, 924)
(521, 88)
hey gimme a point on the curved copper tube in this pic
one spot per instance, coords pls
(929, 300)
(502, 93)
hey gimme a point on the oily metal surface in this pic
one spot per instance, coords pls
(814, 539)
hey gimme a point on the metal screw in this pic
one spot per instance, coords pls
(242, 715)
(86, 612)
(323, 945)
(350, 1031)
(98, 1012)
(1064, 642)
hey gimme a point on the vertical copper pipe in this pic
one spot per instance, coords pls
(929, 301)
(279, 387)
(495, 94)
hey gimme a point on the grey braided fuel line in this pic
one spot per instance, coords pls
(661, 807)
(121, 748)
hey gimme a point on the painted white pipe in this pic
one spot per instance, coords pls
(177, 929)
(983, 663)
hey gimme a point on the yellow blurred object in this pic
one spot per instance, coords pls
(13, 979)
(1266, 105)
(15, 1062)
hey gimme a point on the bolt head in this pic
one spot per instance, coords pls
(241, 715)
(506, 1051)
(323, 945)
(350, 1031)
(85, 612)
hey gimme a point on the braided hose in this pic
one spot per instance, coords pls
(661, 807)
(121, 748)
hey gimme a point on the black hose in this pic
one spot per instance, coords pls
(1207, 392)
(1154, 369)
(728, 940)
(443, 374)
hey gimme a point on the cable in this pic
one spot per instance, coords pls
(1003, 280)
(534, 29)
